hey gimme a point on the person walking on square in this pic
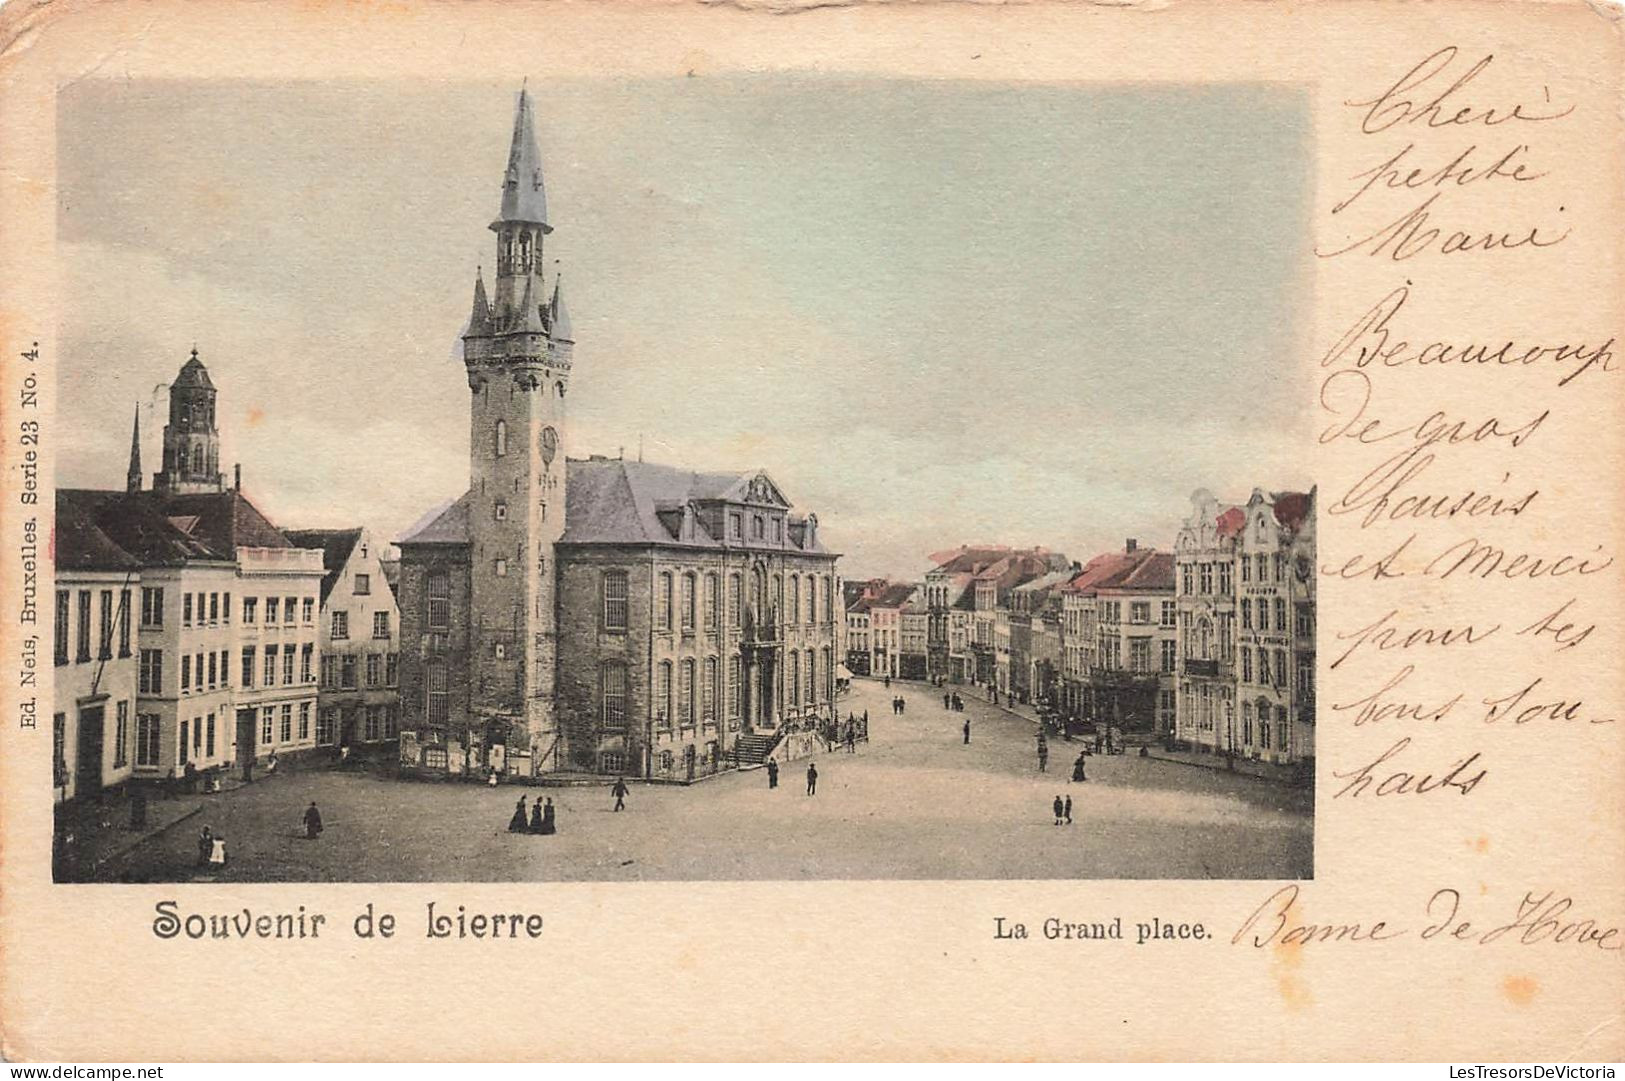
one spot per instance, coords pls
(1043, 754)
(1077, 769)
(205, 845)
(1060, 810)
(516, 824)
(536, 817)
(947, 701)
(619, 792)
(772, 773)
(313, 822)
(851, 739)
(1068, 808)
(967, 732)
(548, 826)
(812, 779)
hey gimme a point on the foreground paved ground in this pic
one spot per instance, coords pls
(915, 803)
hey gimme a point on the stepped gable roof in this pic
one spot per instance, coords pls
(336, 546)
(1291, 508)
(133, 523)
(614, 501)
(445, 524)
(80, 543)
(225, 521)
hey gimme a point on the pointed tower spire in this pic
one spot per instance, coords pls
(559, 314)
(523, 198)
(132, 480)
(479, 321)
(530, 314)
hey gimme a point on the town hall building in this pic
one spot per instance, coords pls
(595, 614)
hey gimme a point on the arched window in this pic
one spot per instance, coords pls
(793, 670)
(662, 702)
(708, 692)
(1247, 724)
(794, 614)
(612, 684)
(502, 439)
(685, 695)
(197, 458)
(687, 607)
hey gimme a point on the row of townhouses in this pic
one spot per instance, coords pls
(1211, 644)
(193, 635)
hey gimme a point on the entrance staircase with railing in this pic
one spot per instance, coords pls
(752, 748)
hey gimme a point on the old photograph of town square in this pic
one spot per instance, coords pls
(749, 477)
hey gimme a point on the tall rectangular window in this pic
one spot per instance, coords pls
(186, 672)
(146, 738)
(612, 679)
(287, 608)
(304, 720)
(688, 602)
(439, 704)
(711, 602)
(250, 608)
(83, 653)
(380, 624)
(186, 609)
(685, 694)
(124, 623)
(269, 668)
(375, 669)
(663, 601)
(186, 731)
(307, 610)
(392, 669)
(439, 600)
(287, 723)
(734, 589)
(214, 608)
(247, 668)
(326, 724)
(662, 702)
(213, 674)
(347, 670)
(614, 587)
(225, 607)
(208, 747)
(306, 652)
(63, 603)
(708, 692)
(267, 721)
(1170, 654)
(733, 688)
(270, 611)
(152, 606)
(287, 665)
(152, 671)
(104, 639)
(341, 626)
(121, 737)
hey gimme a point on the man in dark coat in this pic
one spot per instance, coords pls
(619, 792)
(1068, 810)
(967, 732)
(1043, 753)
(1060, 810)
(772, 773)
(812, 779)
(313, 822)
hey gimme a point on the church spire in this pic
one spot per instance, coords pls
(559, 315)
(523, 198)
(132, 480)
(479, 321)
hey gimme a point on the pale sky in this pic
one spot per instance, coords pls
(937, 313)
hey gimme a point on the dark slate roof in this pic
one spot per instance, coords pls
(446, 524)
(612, 501)
(336, 546)
(523, 197)
(1147, 569)
(226, 520)
(194, 374)
(893, 596)
(392, 572)
(80, 542)
(88, 521)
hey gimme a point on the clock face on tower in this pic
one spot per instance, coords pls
(550, 445)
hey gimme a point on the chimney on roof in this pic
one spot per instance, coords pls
(1131, 545)
(237, 476)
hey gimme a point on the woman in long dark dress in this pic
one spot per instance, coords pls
(1077, 769)
(548, 826)
(516, 824)
(536, 817)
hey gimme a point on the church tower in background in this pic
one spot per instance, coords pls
(517, 351)
(191, 440)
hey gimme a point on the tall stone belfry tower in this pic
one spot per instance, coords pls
(191, 441)
(517, 351)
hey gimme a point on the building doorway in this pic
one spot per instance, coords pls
(245, 736)
(88, 765)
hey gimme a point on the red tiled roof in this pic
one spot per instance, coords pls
(1291, 508)
(1230, 522)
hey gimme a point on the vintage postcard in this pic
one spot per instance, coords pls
(1114, 504)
